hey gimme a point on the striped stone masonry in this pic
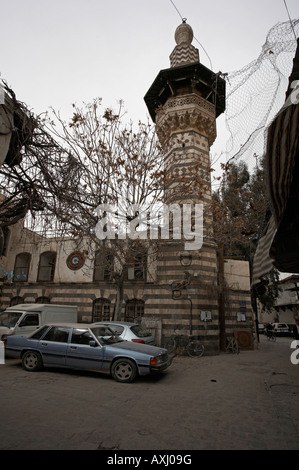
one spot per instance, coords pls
(183, 54)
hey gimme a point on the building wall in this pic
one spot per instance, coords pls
(6, 126)
(237, 295)
(287, 304)
(237, 274)
(166, 311)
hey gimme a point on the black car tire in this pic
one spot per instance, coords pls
(124, 370)
(32, 361)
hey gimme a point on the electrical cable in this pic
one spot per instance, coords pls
(285, 4)
(177, 10)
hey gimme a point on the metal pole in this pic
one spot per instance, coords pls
(222, 334)
(191, 313)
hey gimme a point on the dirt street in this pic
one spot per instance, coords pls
(245, 401)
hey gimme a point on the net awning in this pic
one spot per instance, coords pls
(279, 246)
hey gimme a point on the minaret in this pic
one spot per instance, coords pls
(184, 102)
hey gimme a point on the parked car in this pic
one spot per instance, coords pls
(281, 329)
(130, 332)
(261, 328)
(85, 346)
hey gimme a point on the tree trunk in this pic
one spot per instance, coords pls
(119, 299)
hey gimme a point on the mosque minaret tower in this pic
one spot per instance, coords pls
(184, 102)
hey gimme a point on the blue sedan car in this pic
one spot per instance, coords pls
(89, 347)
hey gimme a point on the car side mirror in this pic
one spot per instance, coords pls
(93, 343)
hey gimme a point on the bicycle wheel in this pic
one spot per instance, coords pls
(195, 348)
(170, 345)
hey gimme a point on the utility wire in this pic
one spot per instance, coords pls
(285, 4)
(177, 9)
(205, 52)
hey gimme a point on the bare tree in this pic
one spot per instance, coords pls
(58, 174)
(36, 167)
(117, 167)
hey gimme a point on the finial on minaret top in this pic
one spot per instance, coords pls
(183, 33)
(184, 53)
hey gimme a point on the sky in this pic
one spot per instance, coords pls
(61, 52)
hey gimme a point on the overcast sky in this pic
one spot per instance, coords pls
(65, 51)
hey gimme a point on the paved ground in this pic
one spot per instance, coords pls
(245, 401)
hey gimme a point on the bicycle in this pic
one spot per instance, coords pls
(271, 336)
(188, 343)
(232, 345)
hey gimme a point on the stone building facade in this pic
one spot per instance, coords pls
(38, 269)
(186, 291)
(286, 309)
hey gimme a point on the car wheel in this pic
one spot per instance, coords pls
(32, 361)
(124, 370)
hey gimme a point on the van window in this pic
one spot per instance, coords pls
(9, 319)
(30, 320)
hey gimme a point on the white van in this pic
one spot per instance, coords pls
(24, 319)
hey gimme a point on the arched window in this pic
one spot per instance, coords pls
(21, 268)
(42, 300)
(134, 309)
(102, 267)
(137, 269)
(101, 310)
(16, 301)
(46, 267)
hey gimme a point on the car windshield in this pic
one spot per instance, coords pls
(138, 330)
(105, 335)
(9, 319)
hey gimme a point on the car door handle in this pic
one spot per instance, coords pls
(73, 347)
(45, 344)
